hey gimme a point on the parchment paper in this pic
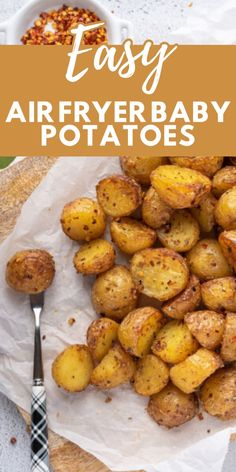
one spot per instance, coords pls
(120, 433)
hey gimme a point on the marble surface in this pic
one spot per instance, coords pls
(154, 19)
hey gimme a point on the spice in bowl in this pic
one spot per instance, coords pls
(54, 27)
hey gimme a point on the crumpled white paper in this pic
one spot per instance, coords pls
(120, 433)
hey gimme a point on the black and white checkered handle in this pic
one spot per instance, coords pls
(39, 432)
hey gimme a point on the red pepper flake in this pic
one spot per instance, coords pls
(13, 440)
(44, 337)
(200, 416)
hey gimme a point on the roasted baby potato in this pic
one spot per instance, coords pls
(186, 301)
(151, 375)
(228, 348)
(206, 165)
(204, 213)
(181, 233)
(191, 373)
(83, 220)
(223, 180)
(119, 195)
(218, 394)
(101, 335)
(72, 369)
(155, 211)
(225, 210)
(116, 368)
(171, 407)
(30, 271)
(207, 327)
(138, 329)
(207, 261)
(94, 257)
(114, 293)
(227, 240)
(174, 342)
(140, 168)
(220, 294)
(131, 236)
(159, 273)
(180, 187)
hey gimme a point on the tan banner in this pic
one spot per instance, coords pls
(177, 101)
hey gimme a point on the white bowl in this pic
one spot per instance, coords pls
(14, 28)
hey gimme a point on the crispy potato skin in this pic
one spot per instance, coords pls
(220, 294)
(227, 240)
(180, 187)
(171, 407)
(206, 260)
(159, 273)
(204, 213)
(83, 220)
(94, 257)
(181, 233)
(223, 180)
(151, 375)
(72, 369)
(228, 348)
(225, 210)
(218, 394)
(30, 271)
(155, 211)
(116, 368)
(206, 165)
(191, 373)
(186, 301)
(138, 329)
(114, 293)
(140, 168)
(131, 236)
(207, 327)
(119, 195)
(101, 335)
(174, 342)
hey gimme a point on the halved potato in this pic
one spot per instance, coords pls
(204, 213)
(207, 261)
(207, 327)
(155, 211)
(116, 368)
(186, 301)
(140, 168)
(83, 220)
(151, 375)
(171, 407)
(228, 348)
(174, 342)
(220, 294)
(181, 233)
(72, 369)
(180, 187)
(191, 373)
(114, 293)
(227, 240)
(119, 195)
(225, 211)
(131, 236)
(94, 257)
(224, 180)
(206, 165)
(218, 394)
(101, 335)
(138, 329)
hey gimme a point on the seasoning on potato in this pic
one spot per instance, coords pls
(207, 327)
(114, 293)
(206, 165)
(171, 407)
(186, 301)
(138, 329)
(119, 195)
(140, 168)
(101, 335)
(220, 294)
(83, 220)
(223, 180)
(155, 212)
(227, 240)
(151, 375)
(204, 213)
(228, 348)
(159, 273)
(72, 369)
(181, 233)
(94, 257)
(207, 261)
(180, 187)
(218, 394)
(174, 342)
(225, 211)
(131, 236)
(30, 271)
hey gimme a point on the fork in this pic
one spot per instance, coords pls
(39, 431)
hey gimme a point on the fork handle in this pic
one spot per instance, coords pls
(39, 431)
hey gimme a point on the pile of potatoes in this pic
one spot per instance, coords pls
(166, 321)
